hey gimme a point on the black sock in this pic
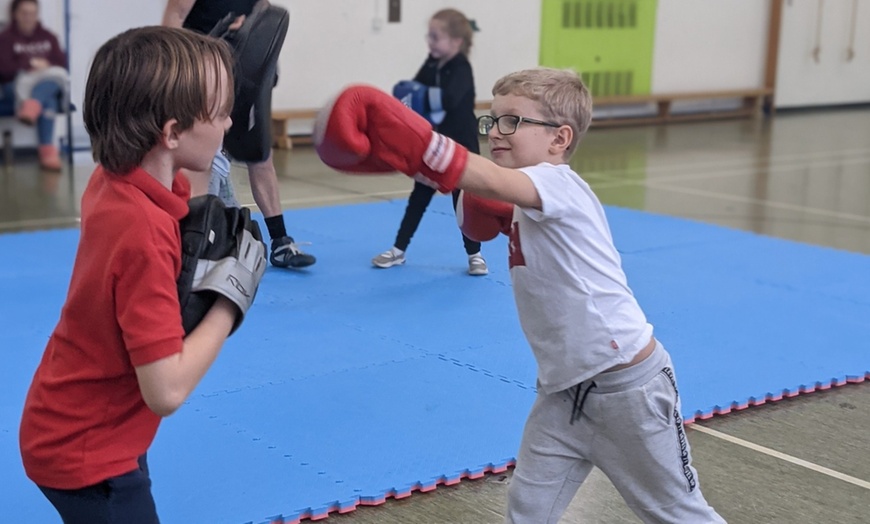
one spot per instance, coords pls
(276, 227)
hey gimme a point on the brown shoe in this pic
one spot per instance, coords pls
(49, 158)
(29, 111)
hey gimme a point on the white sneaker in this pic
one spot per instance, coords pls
(477, 265)
(389, 258)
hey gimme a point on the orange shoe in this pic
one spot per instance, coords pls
(49, 158)
(29, 111)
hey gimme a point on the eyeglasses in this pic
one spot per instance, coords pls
(507, 124)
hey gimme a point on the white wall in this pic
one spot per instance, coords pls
(335, 42)
(804, 79)
(92, 23)
(700, 45)
(332, 43)
(50, 13)
(710, 45)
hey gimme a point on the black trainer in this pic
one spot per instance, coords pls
(285, 253)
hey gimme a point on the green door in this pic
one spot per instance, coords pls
(609, 42)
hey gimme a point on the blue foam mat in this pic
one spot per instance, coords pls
(348, 385)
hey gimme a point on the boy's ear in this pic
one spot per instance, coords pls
(169, 134)
(562, 139)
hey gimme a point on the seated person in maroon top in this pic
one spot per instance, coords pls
(33, 76)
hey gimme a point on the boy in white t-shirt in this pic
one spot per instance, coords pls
(607, 394)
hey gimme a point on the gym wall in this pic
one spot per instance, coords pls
(697, 45)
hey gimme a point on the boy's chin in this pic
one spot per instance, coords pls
(195, 170)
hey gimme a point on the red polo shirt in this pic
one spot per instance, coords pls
(84, 417)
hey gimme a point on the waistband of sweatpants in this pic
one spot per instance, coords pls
(631, 377)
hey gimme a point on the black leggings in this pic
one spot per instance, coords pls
(417, 204)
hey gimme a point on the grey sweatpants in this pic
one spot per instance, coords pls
(630, 428)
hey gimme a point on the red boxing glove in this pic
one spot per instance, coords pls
(482, 219)
(365, 130)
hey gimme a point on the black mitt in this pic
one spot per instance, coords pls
(256, 46)
(222, 253)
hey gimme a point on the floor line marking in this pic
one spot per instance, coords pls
(613, 184)
(752, 162)
(620, 183)
(776, 168)
(782, 456)
(27, 224)
(721, 173)
(768, 203)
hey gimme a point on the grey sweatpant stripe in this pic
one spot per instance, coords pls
(630, 428)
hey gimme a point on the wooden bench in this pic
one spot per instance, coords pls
(750, 105)
(280, 118)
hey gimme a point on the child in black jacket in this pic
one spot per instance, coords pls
(447, 73)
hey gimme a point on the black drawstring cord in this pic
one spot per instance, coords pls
(577, 409)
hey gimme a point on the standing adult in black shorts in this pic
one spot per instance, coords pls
(202, 16)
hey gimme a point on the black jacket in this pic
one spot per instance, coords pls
(457, 98)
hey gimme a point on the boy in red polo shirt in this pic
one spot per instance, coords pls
(157, 100)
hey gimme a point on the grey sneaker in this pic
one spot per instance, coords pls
(477, 265)
(388, 259)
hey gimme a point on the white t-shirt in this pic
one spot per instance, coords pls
(573, 300)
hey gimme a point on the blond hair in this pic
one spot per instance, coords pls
(456, 25)
(144, 77)
(563, 97)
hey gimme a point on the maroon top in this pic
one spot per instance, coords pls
(16, 50)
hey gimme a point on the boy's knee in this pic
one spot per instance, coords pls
(531, 501)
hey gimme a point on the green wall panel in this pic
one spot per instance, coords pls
(609, 42)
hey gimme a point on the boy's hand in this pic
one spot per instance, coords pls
(482, 219)
(237, 23)
(365, 130)
(38, 64)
